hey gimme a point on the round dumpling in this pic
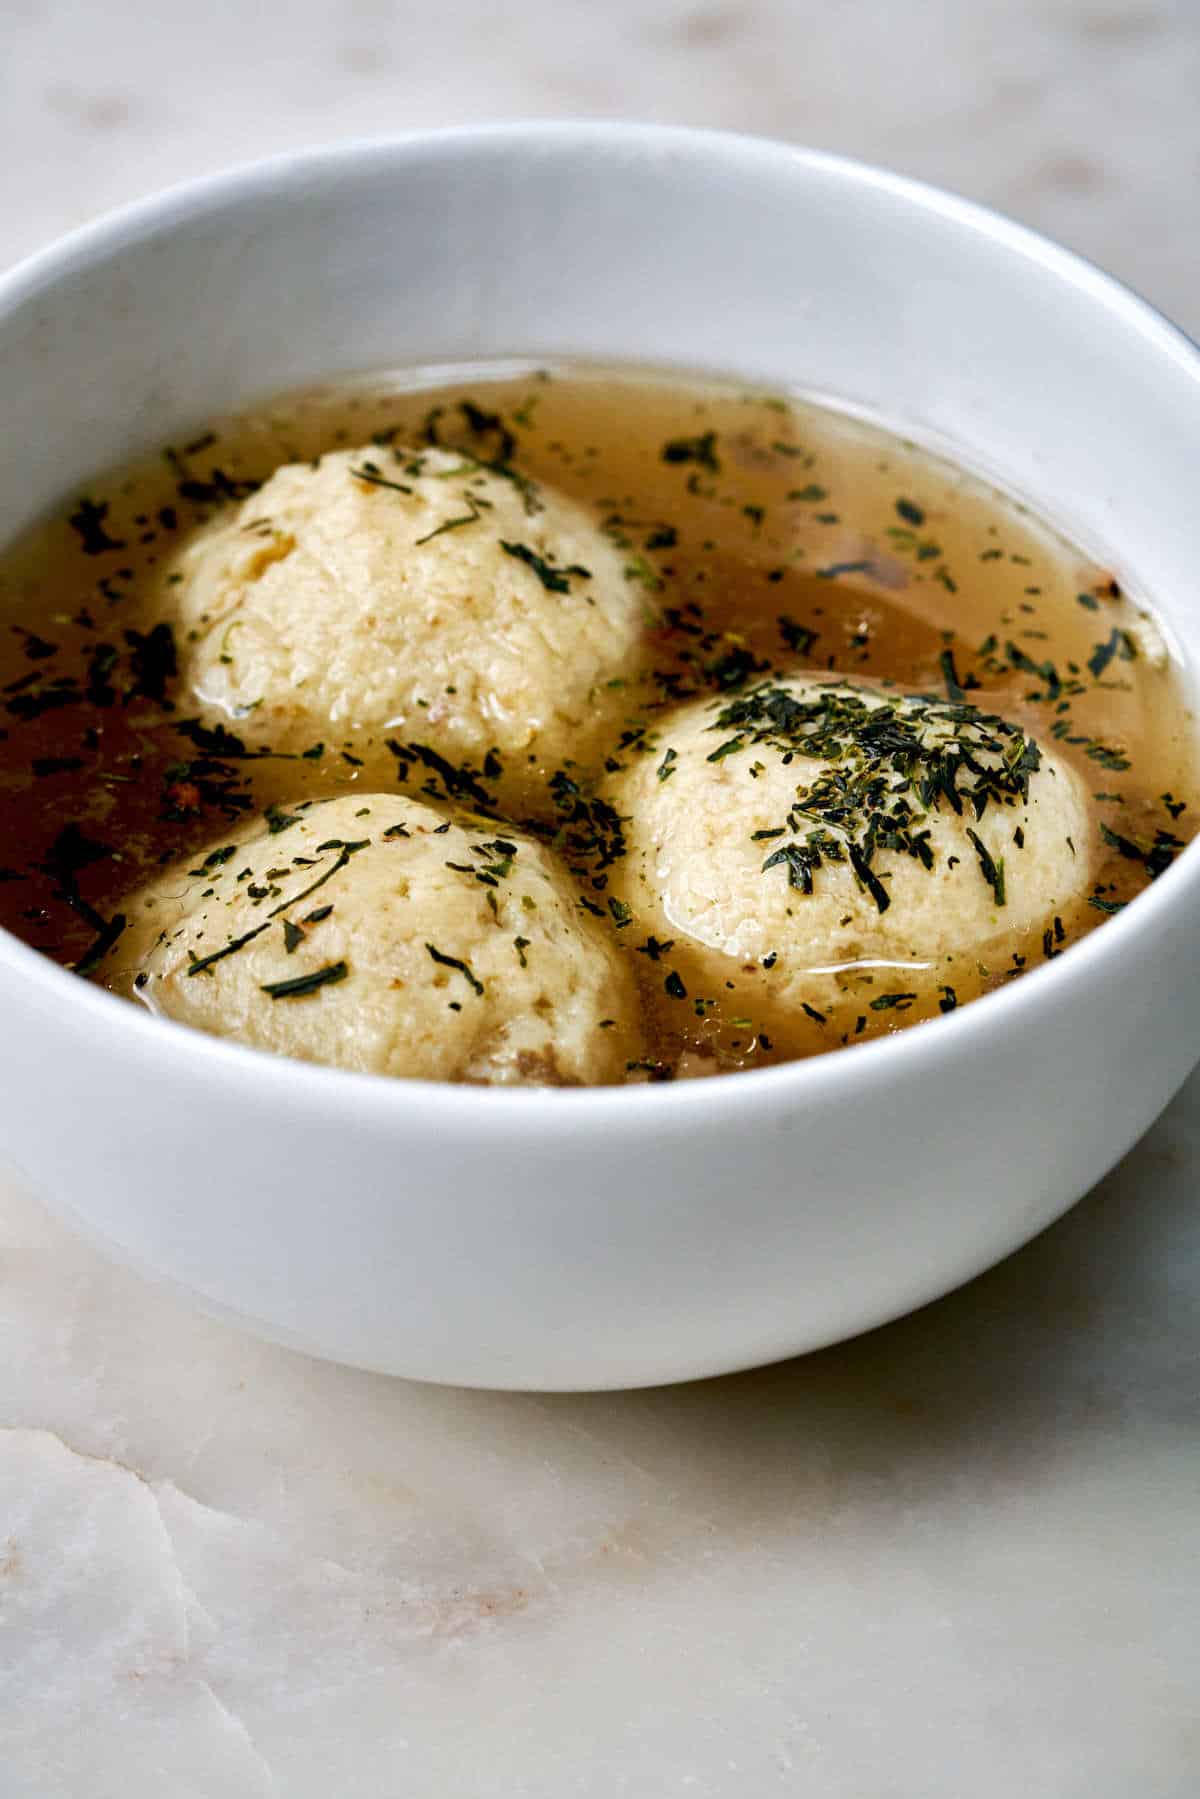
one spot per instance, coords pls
(375, 933)
(812, 833)
(413, 593)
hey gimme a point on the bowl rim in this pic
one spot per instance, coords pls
(650, 1106)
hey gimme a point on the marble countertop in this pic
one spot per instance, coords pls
(960, 1556)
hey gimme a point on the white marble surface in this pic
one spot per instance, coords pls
(958, 1557)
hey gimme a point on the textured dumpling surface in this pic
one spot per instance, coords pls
(418, 592)
(374, 933)
(812, 827)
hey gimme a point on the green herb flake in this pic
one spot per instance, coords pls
(303, 984)
(835, 569)
(954, 687)
(554, 580)
(798, 638)
(1118, 643)
(458, 965)
(991, 870)
(105, 939)
(470, 517)
(370, 474)
(701, 450)
(654, 949)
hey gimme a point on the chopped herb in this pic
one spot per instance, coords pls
(702, 450)
(461, 783)
(954, 687)
(948, 1001)
(302, 984)
(869, 880)
(1114, 760)
(1159, 856)
(104, 941)
(458, 965)
(673, 985)
(817, 1017)
(553, 579)
(36, 648)
(666, 767)
(521, 944)
(293, 936)
(1119, 643)
(87, 521)
(1044, 671)
(452, 524)
(844, 568)
(152, 660)
(910, 512)
(658, 1071)
(800, 862)
(734, 668)
(199, 964)
(621, 913)
(654, 949)
(369, 473)
(315, 917)
(888, 1002)
(992, 871)
(798, 638)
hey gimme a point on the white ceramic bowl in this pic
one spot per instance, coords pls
(623, 1236)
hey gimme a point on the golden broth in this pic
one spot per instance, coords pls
(768, 535)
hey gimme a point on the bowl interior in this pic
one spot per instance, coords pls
(616, 243)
